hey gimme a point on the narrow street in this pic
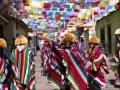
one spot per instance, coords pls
(41, 81)
(79, 27)
(43, 84)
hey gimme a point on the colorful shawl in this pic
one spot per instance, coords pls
(53, 66)
(3, 69)
(98, 65)
(76, 74)
(22, 65)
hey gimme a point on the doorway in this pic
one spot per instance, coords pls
(102, 36)
(1, 31)
(109, 38)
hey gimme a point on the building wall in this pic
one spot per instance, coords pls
(11, 29)
(114, 21)
(8, 32)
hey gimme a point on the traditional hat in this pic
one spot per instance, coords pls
(3, 43)
(117, 32)
(69, 37)
(94, 39)
(45, 38)
(21, 40)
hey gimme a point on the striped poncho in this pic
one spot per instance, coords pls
(53, 66)
(76, 73)
(98, 66)
(3, 71)
(22, 66)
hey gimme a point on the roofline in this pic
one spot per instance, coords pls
(108, 15)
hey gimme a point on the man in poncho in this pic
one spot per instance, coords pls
(80, 45)
(52, 62)
(4, 67)
(23, 65)
(75, 72)
(98, 62)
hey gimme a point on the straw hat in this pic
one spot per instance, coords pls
(69, 37)
(117, 31)
(21, 40)
(94, 39)
(45, 38)
(3, 43)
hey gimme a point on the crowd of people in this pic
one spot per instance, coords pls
(68, 64)
(69, 67)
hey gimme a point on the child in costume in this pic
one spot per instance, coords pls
(117, 59)
(4, 67)
(98, 62)
(23, 65)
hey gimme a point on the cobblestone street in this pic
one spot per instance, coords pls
(43, 84)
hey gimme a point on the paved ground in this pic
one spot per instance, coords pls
(41, 81)
(43, 84)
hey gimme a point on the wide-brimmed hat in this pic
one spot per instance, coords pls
(94, 39)
(69, 37)
(117, 32)
(3, 43)
(21, 40)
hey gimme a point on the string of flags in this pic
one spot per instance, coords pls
(64, 10)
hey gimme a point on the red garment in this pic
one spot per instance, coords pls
(3, 72)
(76, 70)
(98, 65)
(53, 64)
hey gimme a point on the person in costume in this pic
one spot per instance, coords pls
(4, 67)
(80, 31)
(44, 55)
(80, 45)
(22, 65)
(75, 71)
(52, 61)
(98, 62)
(117, 60)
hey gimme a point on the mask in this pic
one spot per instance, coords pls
(42, 41)
(21, 47)
(91, 45)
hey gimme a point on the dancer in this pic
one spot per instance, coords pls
(4, 67)
(75, 72)
(98, 63)
(23, 65)
(52, 62)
